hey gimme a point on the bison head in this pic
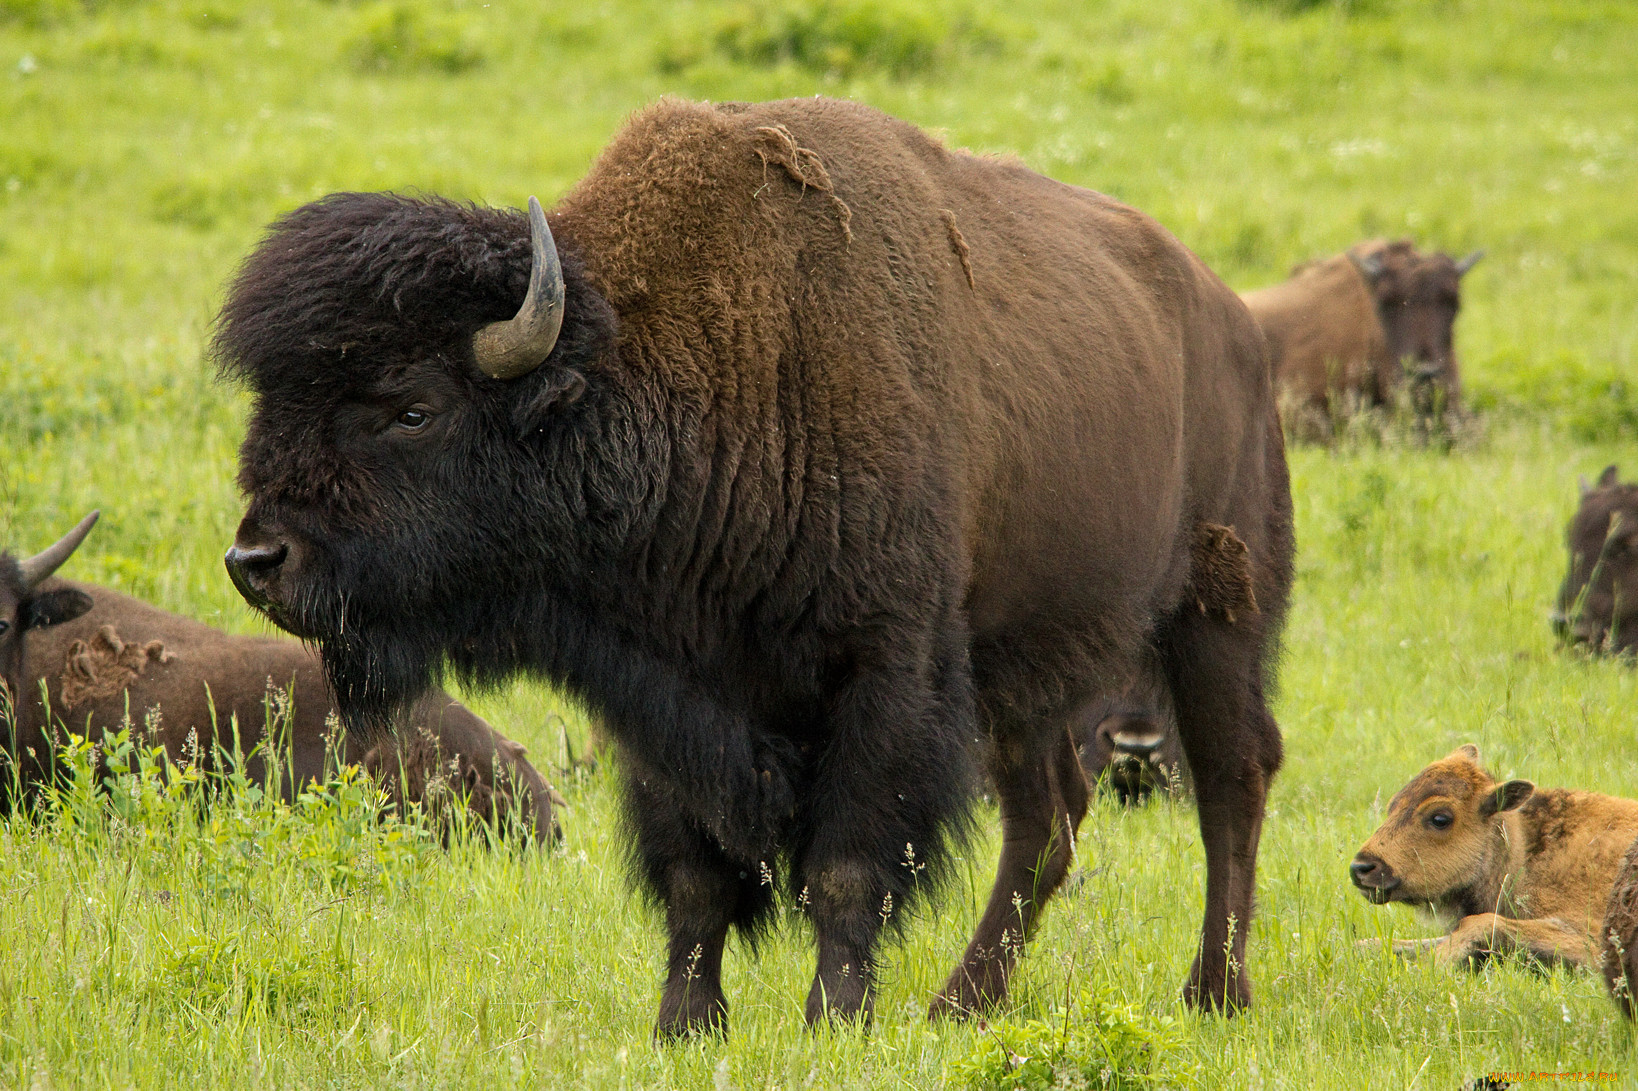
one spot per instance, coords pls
(1598, 600)
(1417, 298)
(24, 605)
(425, 400)
(1443, 834)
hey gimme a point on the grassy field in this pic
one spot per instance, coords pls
(144, 145)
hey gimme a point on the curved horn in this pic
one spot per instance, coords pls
(1468, 262)
(44, 563)
(506, 350)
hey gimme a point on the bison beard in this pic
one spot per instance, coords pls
(837, 466)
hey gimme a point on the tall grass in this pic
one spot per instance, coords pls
(142, 148)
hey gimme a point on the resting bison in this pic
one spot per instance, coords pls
(1344, 331)
(1620, 935)
(1598, 600)
(1129, 742)
(101, 654)
(1513, 866)
(822, 454)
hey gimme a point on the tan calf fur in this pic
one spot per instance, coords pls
(1512, 866)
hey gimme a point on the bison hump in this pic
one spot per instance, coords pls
(105, 665)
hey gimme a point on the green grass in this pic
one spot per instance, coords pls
(144, 145)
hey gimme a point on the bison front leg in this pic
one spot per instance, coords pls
(895, 779)
(1549, 941)
(703, 895)
(1043, 794)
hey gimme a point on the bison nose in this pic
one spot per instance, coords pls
(253, 569)
(1373, 876)
(1561, 624)
(1137, 744)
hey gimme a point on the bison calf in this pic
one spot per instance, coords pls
(97, 656)
(1514, 867)
(1598, 600)
(1345, 331)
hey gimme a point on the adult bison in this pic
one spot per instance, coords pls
(83, 657)
(1345, 331)
(1598, 600)
(824, 453)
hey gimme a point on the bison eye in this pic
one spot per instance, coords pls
(1440, 820)
(413, 420)
(4, 625)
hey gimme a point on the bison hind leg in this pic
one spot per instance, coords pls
(1044, 795)
(1215, 670)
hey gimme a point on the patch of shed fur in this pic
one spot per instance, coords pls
(775, 144)
(958, 243)
(104, 665)
(1220, 572)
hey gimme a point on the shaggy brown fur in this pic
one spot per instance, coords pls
(1340, 327)
(1513, 867)
(829, 506)
(196, 683)
(1620, 935)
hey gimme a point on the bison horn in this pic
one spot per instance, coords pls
(1370, 266)
(44, 563)
(506, 350)
(1468, 262)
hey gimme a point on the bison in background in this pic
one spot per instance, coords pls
(819, 461)
(1345, 332)
(1512, 867)
(1598, 601)
(1128, 742)
(102, 656)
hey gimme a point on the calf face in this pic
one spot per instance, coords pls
(1442, 836)
(1598, 600)
(23, 607)
(1417, 299)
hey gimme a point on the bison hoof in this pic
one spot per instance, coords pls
(845, 1000)
(1220, 997)
(684, 1020)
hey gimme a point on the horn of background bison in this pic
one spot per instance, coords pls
(1468, 262)
(48, 560)
(507, 350)
(1370, 266)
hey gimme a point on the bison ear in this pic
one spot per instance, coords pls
(55, 607)
(1607, 478)
(1506, 797)
(560, 387)
(1468, 751)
